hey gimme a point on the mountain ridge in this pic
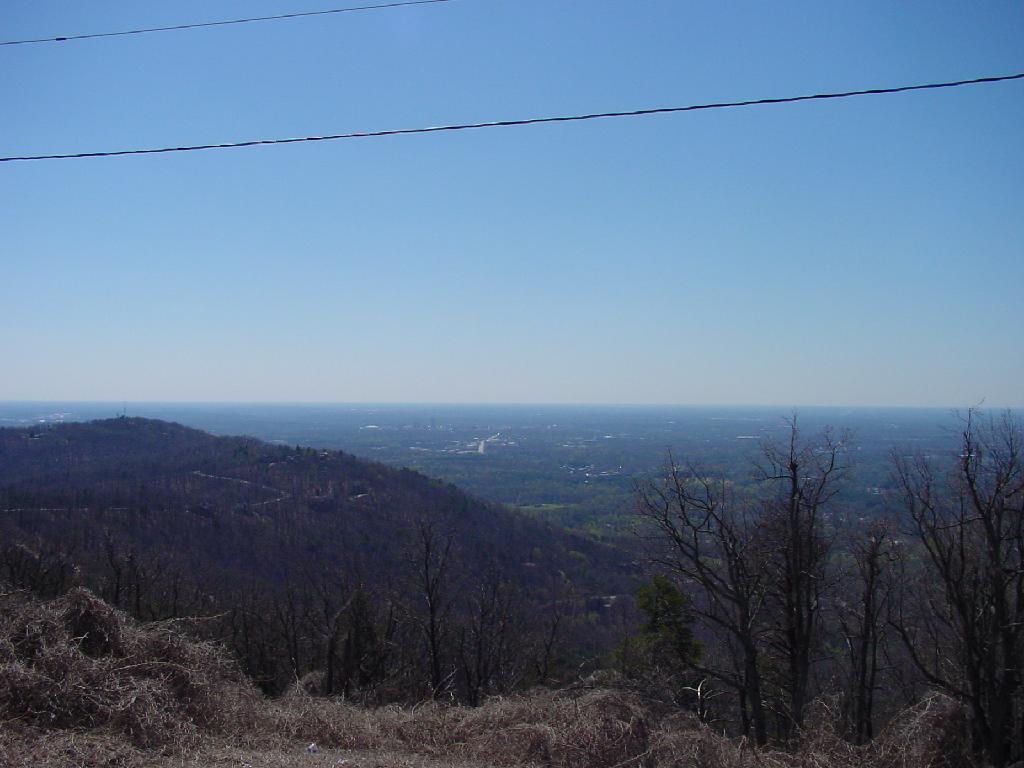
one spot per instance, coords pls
(164, 520)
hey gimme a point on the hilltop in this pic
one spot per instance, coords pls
(301, 551)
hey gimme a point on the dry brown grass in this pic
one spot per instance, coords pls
(931, 735)
(77, 665)
(596, 728)
(82, 685)
(602, 728)
(22, 747)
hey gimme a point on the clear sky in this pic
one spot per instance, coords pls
(867, 251)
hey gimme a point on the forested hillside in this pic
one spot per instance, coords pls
(380, 582)
(778, 613)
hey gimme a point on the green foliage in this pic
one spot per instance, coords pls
(665, 641)
(668, 619)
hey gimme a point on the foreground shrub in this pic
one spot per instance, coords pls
(76, 663)
(82, 685)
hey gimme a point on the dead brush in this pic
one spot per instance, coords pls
(329, 722)
(598, 729)
(682, 742)
(822, 741)
(82, 685)
(592, 729)
(934, 733)
(77, 663)
(24, 747)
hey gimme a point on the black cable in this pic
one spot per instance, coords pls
(525, 121)
(223, 23)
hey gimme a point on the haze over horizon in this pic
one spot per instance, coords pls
(128, 405)
(864, 252)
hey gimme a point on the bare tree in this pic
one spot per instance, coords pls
(800, 478)
(332, 597)
(699, 533)
(488, 638)
(431, 560)
(964, 624)
(759, 566)
(552, 626)
(861, 617)
(46, 571)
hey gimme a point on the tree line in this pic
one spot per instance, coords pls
(794, 597)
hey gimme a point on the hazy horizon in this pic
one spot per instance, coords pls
(118, 404)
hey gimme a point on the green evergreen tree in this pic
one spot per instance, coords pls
(665, 642)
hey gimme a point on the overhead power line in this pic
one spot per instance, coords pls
(223, 23)
(523, 121)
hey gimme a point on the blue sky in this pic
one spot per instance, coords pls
(860, 252)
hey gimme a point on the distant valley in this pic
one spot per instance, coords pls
(573, 465)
